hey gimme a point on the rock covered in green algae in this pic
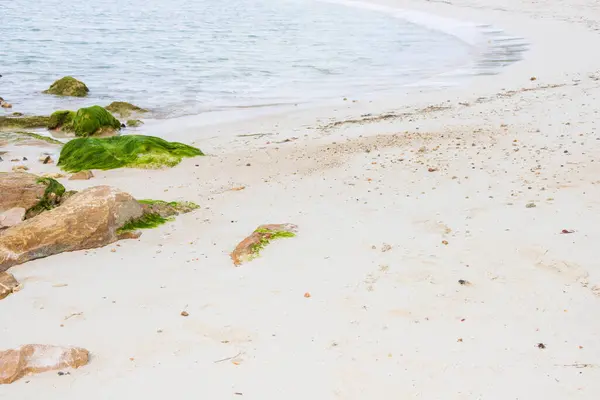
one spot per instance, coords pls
(94, 120)
(124, 109)
(68, 86)
(31, 122)
(28, 138)
(133, 151)
(167, 209)
(134, 123)
(62, 119)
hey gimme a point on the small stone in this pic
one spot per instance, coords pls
(530, 205)
(445, 242)
(81, 176)
(18, 168)
(184, 314)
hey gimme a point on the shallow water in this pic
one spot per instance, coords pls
(186, 57)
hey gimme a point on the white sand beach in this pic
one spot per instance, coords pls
(473, 182)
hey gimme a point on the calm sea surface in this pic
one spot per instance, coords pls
(182, 57)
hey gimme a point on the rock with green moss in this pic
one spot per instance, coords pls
(68, 86)
(134, 123)
(32, 122)
(167, 209)
(132, 151)
(250, 248)
(94, 120)
(62, 120)
(28, 138)
(124, 109)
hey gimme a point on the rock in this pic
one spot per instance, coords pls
(45, 159)
(249, 248)
(12, 217)
(5, 104)
(24, 122)
(134, 151)
(36, 358)
(94, 120)
(53, 175)
(17, 114)
(134, 123)
(68, 86)
(124, 109)
(88, 219)
(62, 120)
(167, 209)
(81, 175)
(8, 285)
(20, 190)
(19, 168)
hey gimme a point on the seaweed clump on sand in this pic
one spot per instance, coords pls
(50, 199)
(94, 120)
(68, 86)
(132, 151)
(32, 122)
(124, 109)
(167, 209)
(146, 221)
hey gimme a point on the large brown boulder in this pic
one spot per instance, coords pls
(85, 220)
(19, 189)
(36, 358)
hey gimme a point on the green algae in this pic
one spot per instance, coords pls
(124, 109)
(131, 151)
(266, 237)
(32, 122)
(46, 139)
(146, 221)
(68, 86)
(94, 120)
(50, 199)
(62, 119)
(167, 209)
(134, 123)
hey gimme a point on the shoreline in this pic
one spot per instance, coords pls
(470, 184)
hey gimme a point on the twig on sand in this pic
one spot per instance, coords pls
(228, 358)
(576, 365)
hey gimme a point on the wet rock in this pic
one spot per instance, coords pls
(94, 120)
(124, 109)
(36, 358)
(8, 284)
(12, 217)
(68, 86)
(88, 219)
(4, 103)
(249, 248)
(32, 122)
(19, 168)
(134, 123)
(81, 175)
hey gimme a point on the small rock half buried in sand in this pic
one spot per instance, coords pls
(81, 176)
(249, 248)
(36, 358)
(8, 285)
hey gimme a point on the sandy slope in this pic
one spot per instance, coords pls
(379, 324)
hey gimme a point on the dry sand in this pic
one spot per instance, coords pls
(392, 213)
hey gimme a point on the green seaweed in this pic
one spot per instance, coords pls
(146, 221)
(124, 109)
(94, 120)
(47, 139)
(50, 199)
(23, 122)
(266, 238)
(132, 151)
(134, 123)
(68, 86)
(62, 119)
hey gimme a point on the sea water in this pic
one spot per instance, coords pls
(187, 57)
